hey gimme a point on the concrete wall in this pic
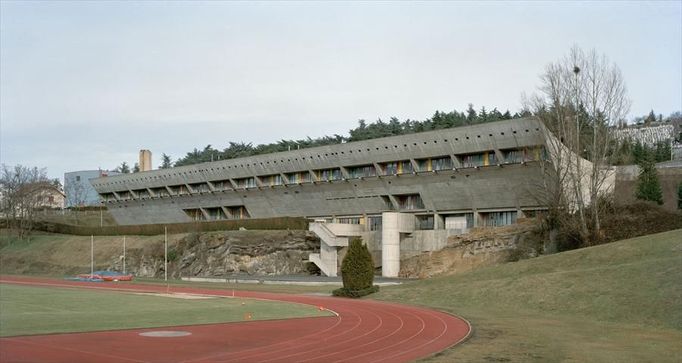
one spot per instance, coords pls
(669, 175)
(78, 188)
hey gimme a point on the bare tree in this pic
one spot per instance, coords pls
(76, 194)
(582, 97)
(21, 189)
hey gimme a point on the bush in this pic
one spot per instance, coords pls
(357, 270)
(281, 223)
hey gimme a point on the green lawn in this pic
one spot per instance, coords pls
(40, 310)
(618, 302)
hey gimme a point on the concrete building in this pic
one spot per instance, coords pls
(403, 194)
(79, 192)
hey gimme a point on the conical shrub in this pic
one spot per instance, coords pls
(357, 268)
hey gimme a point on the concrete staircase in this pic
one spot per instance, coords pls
(332, 236)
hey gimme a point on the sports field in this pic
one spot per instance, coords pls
(28, 310)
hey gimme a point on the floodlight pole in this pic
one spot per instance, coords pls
(165, 258)
(124, 255)
(92, 255)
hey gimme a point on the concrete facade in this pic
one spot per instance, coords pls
(403, 194)
(443, 171)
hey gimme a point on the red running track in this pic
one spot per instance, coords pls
(363, 331)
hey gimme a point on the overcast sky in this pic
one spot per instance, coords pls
(86, 85)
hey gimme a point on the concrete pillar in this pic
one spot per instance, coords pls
(329, 257)
(390, 244)
(477, 219)
(438, 221)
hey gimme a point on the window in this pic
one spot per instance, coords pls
(424, 222)
(494, 219)
(195, 214)
(215, 214)
(481, 159)
(222, 185)
(435, 164)
(328, 174)
(397, 167)
(298, 177)
(351, 220)
(272, 180)
(200, 188)
(142, 193)
(361, 171)
(534, 153)
(237, 212)
(245, 182)
(160, 192)
(179, 189)
(410, 201)
(78, 178)
(374, 223)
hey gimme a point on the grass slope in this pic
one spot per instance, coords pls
(41, 310)
(619, 302)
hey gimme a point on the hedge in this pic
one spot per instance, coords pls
(282, 223)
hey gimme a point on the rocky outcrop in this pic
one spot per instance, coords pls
(480, 247)
(214, 254)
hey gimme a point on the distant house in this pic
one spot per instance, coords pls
(79, 191)
(48, 196)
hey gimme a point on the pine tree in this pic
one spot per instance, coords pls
(136, 168)
(483, 115)
(471, 114)
(123, 168)
(166, 161)
(648, 186)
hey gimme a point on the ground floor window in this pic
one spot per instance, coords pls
(495, 219)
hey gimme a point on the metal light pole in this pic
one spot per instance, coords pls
(124, 255)
(92, 255)
(165, 258)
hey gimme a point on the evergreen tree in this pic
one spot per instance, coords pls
(357, 268)
(471, 114)
(650, 118)
(662, 151)
(483, 115)
(165, 161)
(136, 168)
(123, 168)
(648, 186)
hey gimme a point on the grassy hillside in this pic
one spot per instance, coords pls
(59, 254)
(616, 302)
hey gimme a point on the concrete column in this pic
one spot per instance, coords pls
(329, 257)
(438, 221)
(477, 219)
(390, 244)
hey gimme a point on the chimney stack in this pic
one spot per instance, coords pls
(145, 160)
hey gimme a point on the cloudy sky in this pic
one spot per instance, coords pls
(85, 85)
